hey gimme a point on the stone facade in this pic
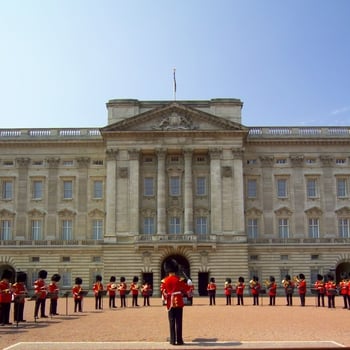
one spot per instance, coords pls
(181, 179)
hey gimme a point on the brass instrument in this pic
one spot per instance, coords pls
(267, 283)
(285, 283)
(252, 283)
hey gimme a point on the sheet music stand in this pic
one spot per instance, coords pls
(65, 295)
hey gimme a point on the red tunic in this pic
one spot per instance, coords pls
(134, 287)
(273, 289)
(40, 288)
(111, 288)
(97, 287)
(5, 292)
(331, 288)
(319, 285)
(240, 288)
(122, 288)
(256, 288)
(53, 290)
(19, 292)
(228, 289)
(173, 288)
(76, 291)
(302, 287)
(344, 287)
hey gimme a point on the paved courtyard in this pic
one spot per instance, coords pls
(205, 327)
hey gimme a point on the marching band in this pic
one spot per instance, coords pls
(17, 292)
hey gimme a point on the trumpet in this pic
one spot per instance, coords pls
(252, 283)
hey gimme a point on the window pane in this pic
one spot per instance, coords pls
(7, 190)
(201, 225)
(66, 279)
(251, 188)
(311, 188)
(6, 230)
(343, 227)
(67, 189)
(37, 189)
(313, 228)
(98, 189)
(252, 228)
(174, 226)
(283, 228)
(36, 230)
(281, 188)
(148, 226)
(67, 228)
(97, 229)
(201, 186)
(341, 188)
(174, 186)
(148, 186)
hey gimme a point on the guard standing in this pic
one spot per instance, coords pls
(19, 293)
(211, 288)
(40, 289)
(5, 298)
(54, 290)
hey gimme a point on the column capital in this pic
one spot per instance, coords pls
(23, 162)
(53, 162)
(83, 162)
(215, 152)
(238, 153)
(111, 153)
(161, 152)
(134, 154)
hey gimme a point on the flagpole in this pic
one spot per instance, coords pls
(174, 77)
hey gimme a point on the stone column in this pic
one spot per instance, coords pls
(188, 195)
(52, 200)
(111, 174)
(161, 192)
(215, 191)
(134, 178)
(238, 191)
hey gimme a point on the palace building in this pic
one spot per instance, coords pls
(175, 179)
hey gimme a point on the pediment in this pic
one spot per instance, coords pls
(173, 117)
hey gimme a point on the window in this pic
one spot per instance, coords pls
(66, 279)
(281, 161)
(342, 188)
(148, 189)
(7, 189)
(36, 230)
(201, 188)
(35, 259)
(97, 229)
(310, 161)
(37, 192)
(174, 225)
(6, 230)
(67, 230)
(252, 228)
(148, 226)
(68, 163)
(67, 189)
(283, 228)
(98, 162)
(202, 225)
(96, 259)
(311, 188)
(251, 188)
(174, 159)
(98, 189)
(284, 257)
(174, 186)
(314, 228)
(343, 228)
(65, 259)
(340, 161)
(251, 161)
(282, 188)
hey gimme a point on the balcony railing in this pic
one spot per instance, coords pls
(49, 133)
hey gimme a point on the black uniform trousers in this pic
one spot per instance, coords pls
(175, 323)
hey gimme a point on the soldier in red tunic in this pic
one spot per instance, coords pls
(40, 290)
(134, 289)
(240, 291)
(320, 287)
(122, 292)
(111, 289)
(331, 290)
(272, 290)
(5, 298)
(301, 285)
(19, 293)
(98, 289)
(344, 289)
(53, 293)
(146, 292)
(78, 295)
(255, 287)
(173, 289)
(228, 291)
(211, 288)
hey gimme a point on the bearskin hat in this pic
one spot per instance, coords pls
(112, 279)
(171, 265)
(272, 279)
(21, 276)
(6, 274)
(330, 277)
(301, 276)
(42, 274)
(255, 278)
(241, 279)
(319, 277)
(122, 279)
(56, 277)
(287, 278)
(98, 278)
(343, 275)
(228, 280)
(78, 280)
(212, 280)
(135, 279)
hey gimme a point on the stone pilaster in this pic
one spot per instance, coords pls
(188, 199)
(161, 192)
(215, 190)
(238, 190)
(134, 178)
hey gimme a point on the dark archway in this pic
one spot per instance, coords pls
(10, 268)
(184, 266)
(343, 267)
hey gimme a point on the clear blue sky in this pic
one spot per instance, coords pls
(62, 60)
